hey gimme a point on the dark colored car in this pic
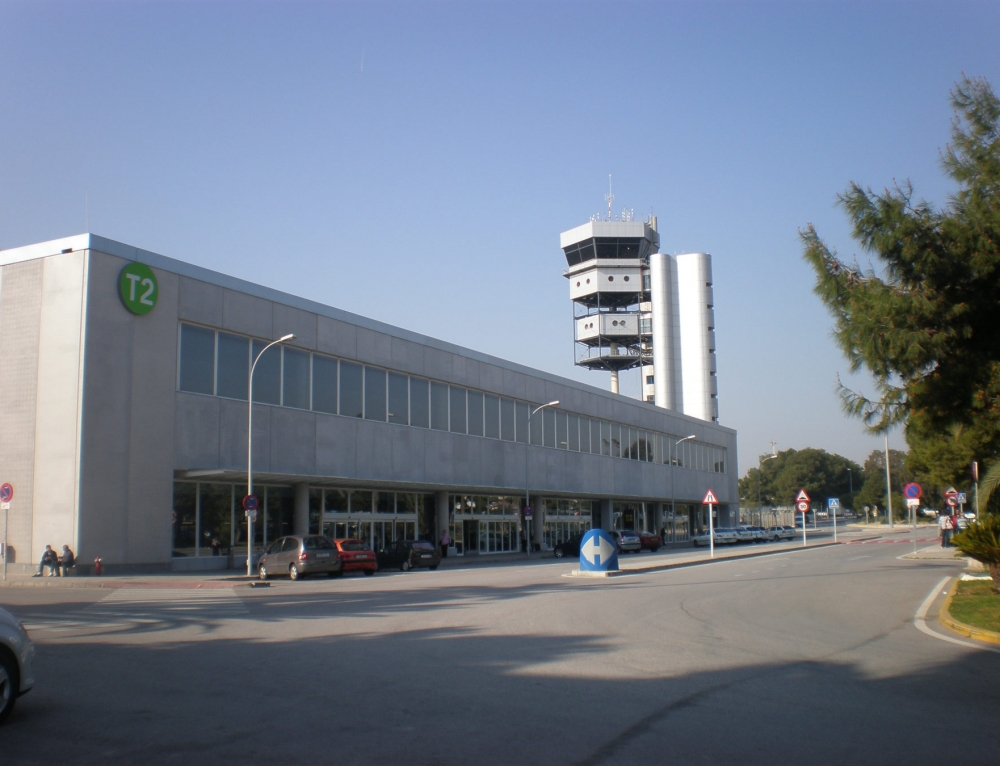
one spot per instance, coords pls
(570, 547)
(356, 555)
(299, 556)
(649, 541)
(408, 554)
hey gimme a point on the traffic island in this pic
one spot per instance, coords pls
(972, 609)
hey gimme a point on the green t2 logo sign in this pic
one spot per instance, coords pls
(138, 289)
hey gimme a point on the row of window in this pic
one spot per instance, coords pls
(218, 363)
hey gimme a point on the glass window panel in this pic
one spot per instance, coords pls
(385, 502)
(184, 519)
(351, 401)
(267, 374)
(216, 523)
(315, 511)
(595, 436)
(197, 359)
(521, 412)
(475, 413)
(374, 394)
(279, 512)
(439, 406)
(507, 426)
(420, 413)
(549, 422)
(361, 501)
(562, 430)
(491, 411)
(295, 378)
(605, 437)
(632, 443)
(324, 398)
(233, 366)
(335, 501)
(407, 502)
(399, 398)
(616, 440)
(573, 432)
(457, 409)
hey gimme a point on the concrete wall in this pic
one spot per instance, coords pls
(41, 324)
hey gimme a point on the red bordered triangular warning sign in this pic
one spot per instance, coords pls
(709, 498)
(802, 497)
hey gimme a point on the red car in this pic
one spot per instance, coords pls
(650, 542)
(356, 555)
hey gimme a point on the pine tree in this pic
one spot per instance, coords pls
(924, 323)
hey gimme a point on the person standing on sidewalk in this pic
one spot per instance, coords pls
(945, 524)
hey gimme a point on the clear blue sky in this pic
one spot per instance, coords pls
(415, 161)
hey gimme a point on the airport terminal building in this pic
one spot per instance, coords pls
(124, 413)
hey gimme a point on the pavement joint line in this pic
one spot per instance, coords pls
(919, 619)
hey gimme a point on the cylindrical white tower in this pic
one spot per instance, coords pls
(661, 284)
(697, 324)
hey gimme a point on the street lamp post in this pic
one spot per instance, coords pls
(253, 367)
(527, 443)
(670, 457)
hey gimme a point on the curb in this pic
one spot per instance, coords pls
(684, 564)
(970, 631)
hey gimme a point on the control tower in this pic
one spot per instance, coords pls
(634, 306)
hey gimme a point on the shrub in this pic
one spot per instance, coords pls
(981, 541)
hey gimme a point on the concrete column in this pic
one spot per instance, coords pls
(607, 520)
(301, 523)
(538, 522)
(658, 517)
(441, 512)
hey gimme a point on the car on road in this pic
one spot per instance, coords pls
(569, 547)
(648, 541)
(409, 554)
(929, 512)
(356, 556)
(627, 540)
(299, 556)
(777, 533)
(723, 536)
(16, 655)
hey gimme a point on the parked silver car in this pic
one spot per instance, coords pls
(780, 533)
(627, 541)
(298, 556)
(16, 655)
(723, 536)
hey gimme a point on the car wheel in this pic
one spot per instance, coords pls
(694, 543)
(262, 572)
(559, 553)
(405, 566)
(294, 573)
(369, 572)
(335, 573)
(10, 683)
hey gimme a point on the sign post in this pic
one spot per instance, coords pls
(912, 493)
(802, 506)
(834, 505)
(710, 501)
(6, 495)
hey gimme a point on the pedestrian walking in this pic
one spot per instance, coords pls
(49, 559)
(67, 561)
(946, 524)
(445, 543)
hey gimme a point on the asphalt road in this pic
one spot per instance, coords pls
(808, 656)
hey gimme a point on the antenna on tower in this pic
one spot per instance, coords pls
(610, 198)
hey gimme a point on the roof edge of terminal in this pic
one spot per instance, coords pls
(88, 241)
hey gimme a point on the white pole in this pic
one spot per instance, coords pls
(834, 512)
(5, 514)
(888, 482)
(711, 534)
(253, 367)
(804, 543)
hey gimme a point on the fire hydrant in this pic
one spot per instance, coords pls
(98, 569)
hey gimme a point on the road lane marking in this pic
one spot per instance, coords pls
(920, 622)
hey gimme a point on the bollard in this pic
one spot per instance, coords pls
(98, 569)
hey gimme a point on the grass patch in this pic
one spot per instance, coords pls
(976, 604)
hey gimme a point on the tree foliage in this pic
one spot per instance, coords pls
(924, 323)
(821, 474)
(981, 541)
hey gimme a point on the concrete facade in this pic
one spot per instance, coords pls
(97, 430)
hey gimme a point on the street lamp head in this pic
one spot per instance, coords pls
(692, 436)
(283, 338)
(552, 404)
